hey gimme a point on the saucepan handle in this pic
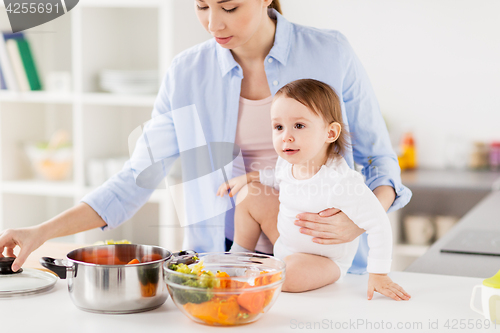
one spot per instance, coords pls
(184, 257)
(56, 266)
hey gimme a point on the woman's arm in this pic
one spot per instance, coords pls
(79, 218)
(332, 226)
(74, 220)
(386, 195)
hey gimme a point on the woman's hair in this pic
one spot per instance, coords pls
(276, 5)
(322, 100)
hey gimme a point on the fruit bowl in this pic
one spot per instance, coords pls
(224, 289)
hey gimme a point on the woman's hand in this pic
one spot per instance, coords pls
(237, 183)
(383, 284)
(330, 226)
(28, 239)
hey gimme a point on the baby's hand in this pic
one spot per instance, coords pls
(384, 285)
(235, 185)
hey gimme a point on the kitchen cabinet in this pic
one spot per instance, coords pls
(95, 35)
(439, 192)
(484, 216)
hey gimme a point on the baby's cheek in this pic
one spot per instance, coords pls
(277, 145)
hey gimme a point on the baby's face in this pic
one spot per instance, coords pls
(299, 135)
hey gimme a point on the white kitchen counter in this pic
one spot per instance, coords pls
(437, 301)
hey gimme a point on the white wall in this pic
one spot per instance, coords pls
(434, 64)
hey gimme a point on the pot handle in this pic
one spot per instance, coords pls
(53, 265)
(184, 257)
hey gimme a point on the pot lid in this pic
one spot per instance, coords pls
(24, 282)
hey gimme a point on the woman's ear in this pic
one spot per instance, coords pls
(334, 130)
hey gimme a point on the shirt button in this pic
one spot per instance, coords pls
(275, 83)
(270, 60)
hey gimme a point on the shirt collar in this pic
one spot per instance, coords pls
(279, 51)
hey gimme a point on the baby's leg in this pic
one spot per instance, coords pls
(308, 271)
(256, 209)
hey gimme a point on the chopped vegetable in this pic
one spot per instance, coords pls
(200, 279)
(215, 309)
(133, 261)
(151, 257)
(252, 301)
(224, 280)
(112, 242)
(148, 290)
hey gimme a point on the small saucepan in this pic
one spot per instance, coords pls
(100, 280)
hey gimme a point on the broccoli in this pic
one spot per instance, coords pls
(202, 280)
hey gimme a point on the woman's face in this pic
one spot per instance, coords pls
(232, 22)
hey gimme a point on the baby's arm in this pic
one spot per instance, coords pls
(265, 176)
(358, 202)
(234, 185)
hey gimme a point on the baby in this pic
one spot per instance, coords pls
(312, 175)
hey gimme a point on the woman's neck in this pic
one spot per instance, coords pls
(258, 47)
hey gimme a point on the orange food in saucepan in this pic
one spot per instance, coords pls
(151, 257)
(133, 261)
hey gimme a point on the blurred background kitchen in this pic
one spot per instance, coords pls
(89, 78)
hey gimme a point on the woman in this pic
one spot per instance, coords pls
(255, 51)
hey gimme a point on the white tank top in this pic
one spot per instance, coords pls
(254, 136)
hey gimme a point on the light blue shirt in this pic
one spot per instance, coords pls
(197, 106)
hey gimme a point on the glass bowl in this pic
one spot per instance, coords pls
(239, 290)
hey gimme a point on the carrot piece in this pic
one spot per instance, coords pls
(133, 261)
(252, 301)
(225, 281)
(216, 311)
(148, 290)
(151, 257)
(104, 260)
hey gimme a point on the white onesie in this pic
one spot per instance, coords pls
(334, 185)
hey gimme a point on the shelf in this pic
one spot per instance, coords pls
(40, 187)
(117, 99)
(115, 3)
(95, 36)
(122, 3)
(68, 98)
(36, 97)
(56, 189)
(410, 250)
(450, 179)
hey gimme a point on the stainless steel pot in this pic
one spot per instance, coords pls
(99, 281)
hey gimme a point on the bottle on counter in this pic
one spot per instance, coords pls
(495, 156)
(479, 157)
(408, 157)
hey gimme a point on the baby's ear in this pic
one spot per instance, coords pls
(334, 130)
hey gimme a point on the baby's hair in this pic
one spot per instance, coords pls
(322, 100)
